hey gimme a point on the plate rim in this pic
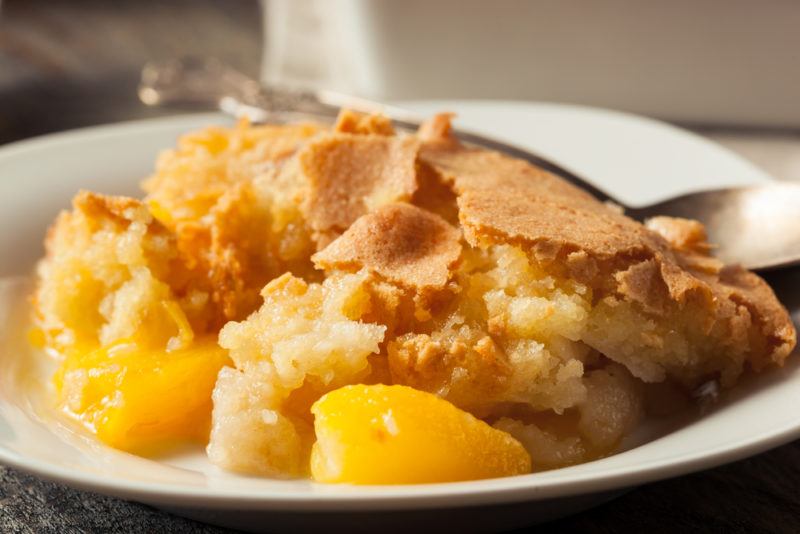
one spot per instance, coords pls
(457, 494)
(507, 490)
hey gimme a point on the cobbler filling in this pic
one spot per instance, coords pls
(278, 282)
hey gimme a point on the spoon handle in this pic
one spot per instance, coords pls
(205, 82)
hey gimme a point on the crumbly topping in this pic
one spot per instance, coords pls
(452, 269)
(189, 179)
(437, 129)
(122, 210)
(349, 175)
(402, 243)
(349, 121)
(506, 200)
(513, 200)
(683, 234)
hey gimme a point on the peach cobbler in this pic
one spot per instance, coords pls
(357, 305)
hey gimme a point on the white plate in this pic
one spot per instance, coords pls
(637, 159)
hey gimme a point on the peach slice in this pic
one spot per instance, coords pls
(139, 399)
(378, 434)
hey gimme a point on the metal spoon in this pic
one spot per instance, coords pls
(757, 226)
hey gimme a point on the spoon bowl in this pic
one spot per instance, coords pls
(757, 226)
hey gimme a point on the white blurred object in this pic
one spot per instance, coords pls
(733, 62)
(302, 45)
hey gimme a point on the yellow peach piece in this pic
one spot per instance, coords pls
(140, 399)
(378, 434)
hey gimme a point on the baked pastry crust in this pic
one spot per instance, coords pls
(660, 266)
(351, 254)
(349, 175)
(402, 243)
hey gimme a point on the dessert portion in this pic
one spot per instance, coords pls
(364, 306)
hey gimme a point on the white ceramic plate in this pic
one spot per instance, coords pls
(638, 159)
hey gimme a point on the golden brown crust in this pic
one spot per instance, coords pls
(97, 210)
(189, 180)
(513, 201)
(423, 363)
(230, 217)
(731, 284)
(239, 262)
(683, 234)
(400, 242)
(746, 289)
(506, 200)
(437, 128)
(122, 210)
(352, 122)
(642, 283)
(349, 175)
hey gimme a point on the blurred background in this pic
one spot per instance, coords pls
(76, 63)
(732, 62)
(727, 70)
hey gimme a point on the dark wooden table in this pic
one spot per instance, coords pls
(71, 64)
